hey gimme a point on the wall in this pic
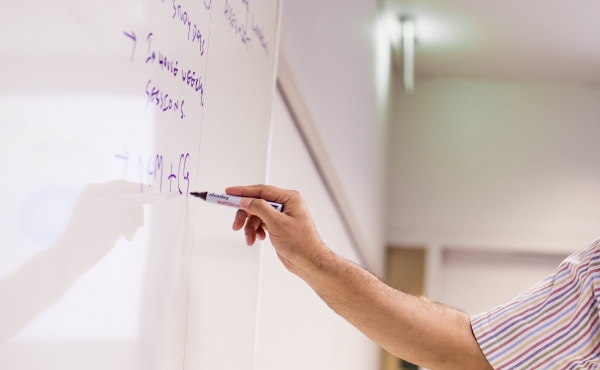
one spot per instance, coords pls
(296, 329)
(497, 180)
(329, 46)
(495, 165)
(500, 277)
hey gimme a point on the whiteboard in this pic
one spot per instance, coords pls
(112, 112)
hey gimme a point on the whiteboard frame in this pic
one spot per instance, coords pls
(296, 105)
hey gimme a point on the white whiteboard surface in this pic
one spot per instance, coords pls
(97, 92)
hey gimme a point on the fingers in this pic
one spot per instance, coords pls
(262, 209)
(240, 219)
(254, 203)
(261, 234)
(251, 228)
(267, 192)
(254, 226)
(292, 201)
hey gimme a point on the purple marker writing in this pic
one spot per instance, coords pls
(228, 200)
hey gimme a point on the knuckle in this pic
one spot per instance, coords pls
(259, 204)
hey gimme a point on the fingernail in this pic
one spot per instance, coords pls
(245, 203)
(248, 239)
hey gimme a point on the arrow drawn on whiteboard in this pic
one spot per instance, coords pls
(132, 36)
(149, 41)
(126, 159)
(209, 4)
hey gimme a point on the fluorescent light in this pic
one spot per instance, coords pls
(408, 54)
(394, 29)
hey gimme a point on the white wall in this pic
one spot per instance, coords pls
(329, 46)
(487, 164)
(499, 180)
(296, 329)
(499, 277)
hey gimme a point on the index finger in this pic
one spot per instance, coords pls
(266, 192)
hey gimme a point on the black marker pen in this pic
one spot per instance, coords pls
(228, 200)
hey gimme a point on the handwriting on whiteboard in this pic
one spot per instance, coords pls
(162, 100)
(240, 24)
(159, 96)
(261, 38)
(154, 172)
(188, 77)
(239, 17)
(194, 33)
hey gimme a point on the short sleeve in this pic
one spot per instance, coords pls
(553, 325)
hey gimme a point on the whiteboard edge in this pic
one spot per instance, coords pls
(305, 124)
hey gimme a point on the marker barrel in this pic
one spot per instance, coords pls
(234, 201)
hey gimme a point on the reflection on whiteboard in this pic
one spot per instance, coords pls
(59, 150)
(102, 104)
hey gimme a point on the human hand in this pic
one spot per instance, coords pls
(291, 232)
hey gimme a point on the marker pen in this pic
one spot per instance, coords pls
(228, 200)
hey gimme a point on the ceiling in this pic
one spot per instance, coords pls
(549, 40)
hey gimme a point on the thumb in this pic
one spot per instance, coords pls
(260, 208)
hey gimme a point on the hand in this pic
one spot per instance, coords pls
(292, 231)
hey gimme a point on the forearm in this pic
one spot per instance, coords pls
(415, 329)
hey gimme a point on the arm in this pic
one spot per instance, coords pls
(415, 329)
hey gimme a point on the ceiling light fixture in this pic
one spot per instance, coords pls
(408, 53)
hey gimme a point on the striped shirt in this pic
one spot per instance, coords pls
(553, 325)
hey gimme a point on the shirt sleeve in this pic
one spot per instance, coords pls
(553, 325)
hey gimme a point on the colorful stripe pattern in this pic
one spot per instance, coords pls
(553, 325)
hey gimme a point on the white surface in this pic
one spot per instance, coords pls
(487, 164)
(76, 109)
(296, 329)
(330, 49)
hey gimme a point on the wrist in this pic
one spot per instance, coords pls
(320, 260)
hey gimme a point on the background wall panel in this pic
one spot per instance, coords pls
(296, 329)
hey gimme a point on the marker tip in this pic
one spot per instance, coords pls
(201, 195)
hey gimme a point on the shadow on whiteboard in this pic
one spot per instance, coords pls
(102, 214)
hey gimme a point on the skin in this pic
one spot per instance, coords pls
(415, 329)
